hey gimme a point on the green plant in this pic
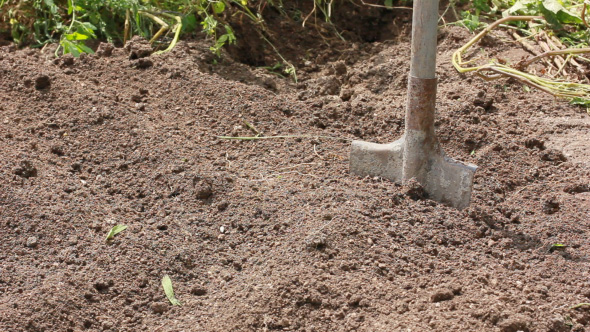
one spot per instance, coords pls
(169, 291)
(557, 246)
(469, 21)
(114, 231)
(555, 23)
(72, 38)
(72, 23)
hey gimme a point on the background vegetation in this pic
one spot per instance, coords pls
(561, 30)
(72, 22)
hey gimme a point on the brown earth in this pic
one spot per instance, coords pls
(276, 234)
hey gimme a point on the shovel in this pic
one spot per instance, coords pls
(418, 153)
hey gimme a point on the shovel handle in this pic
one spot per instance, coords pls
(420, 144)
(424, 25)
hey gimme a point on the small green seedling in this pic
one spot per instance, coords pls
(557, 246)
(114, 231)
(167, 284)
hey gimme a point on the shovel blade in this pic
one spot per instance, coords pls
(444, 180)
(449, 181)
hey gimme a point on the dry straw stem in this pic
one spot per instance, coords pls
(568, 51)
(254, 138)
(164, 27)
(387, 7)
(491, 71)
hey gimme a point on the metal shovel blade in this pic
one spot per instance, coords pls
(418, 154)
(444, 179)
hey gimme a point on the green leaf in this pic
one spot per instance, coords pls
(389, 3)
(189, 23)
(51, 5)
(69, 48)
(221, 41)
(218, 7)
(556, 14)
(522, 7)
(557, 246)
(231, 38)
(114, 231)
(167, 284)
(580, 102)
(209, 25)
(85, 48)
(470, 21)
(87, 28)
(579, 305)
(76, 36)
(481, 5)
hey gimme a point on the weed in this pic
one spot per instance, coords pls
(169, 291)
(71, 23)
(114, 231)
(557, 246)
(469, 21)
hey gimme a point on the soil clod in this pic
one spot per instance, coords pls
(414, 190)
(577, 188)
(553, 155)
(102, 286)
(160, 307)
(550, 205)
(138, 48)
(142, 63)
(534, 143)
(42, 82)
(316, 241)
(516, 323)
(67, 60)
(198, 291)
(442, 295)
(57, 150)
(203, 188)
(26, 170)
(105, 50)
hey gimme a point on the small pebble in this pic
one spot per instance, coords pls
(32, 241)
(73, 240)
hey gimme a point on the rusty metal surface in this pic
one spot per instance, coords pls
(421, 104)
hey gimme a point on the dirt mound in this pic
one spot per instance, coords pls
(276, 234)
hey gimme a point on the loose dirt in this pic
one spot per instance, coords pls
(276, 234)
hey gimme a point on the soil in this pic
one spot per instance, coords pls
(276, 234)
